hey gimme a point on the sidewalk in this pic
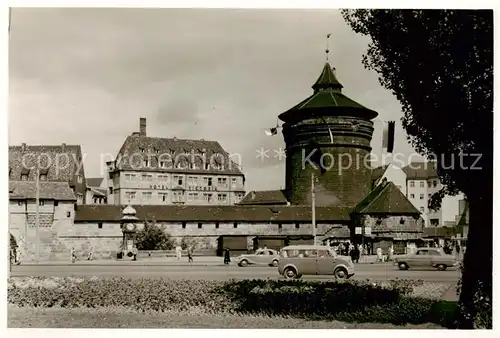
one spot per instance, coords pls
(162, 261)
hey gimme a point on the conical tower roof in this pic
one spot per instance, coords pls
(327, 100)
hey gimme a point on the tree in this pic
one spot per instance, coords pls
(439, 65)
(153, 237)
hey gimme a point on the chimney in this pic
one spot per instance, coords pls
(142, 126)
(63, 147)
(23, 147)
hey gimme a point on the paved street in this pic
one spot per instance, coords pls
(382, 271)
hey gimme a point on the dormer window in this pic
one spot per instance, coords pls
(207, 166)
(79, 179)
(146, 163)
(24, 174)
(142, 150)
(402, 221)
(43, 177)
(24, 177)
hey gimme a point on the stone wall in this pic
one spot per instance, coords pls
(384, 224)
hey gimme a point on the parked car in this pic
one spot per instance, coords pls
(260, 257)
(426, 257)
(298, 260)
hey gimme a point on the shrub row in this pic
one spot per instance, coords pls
(346, 301)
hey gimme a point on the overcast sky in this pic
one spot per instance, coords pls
(85, 76)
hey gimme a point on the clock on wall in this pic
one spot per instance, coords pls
(130, 226)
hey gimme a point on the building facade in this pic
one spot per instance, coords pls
(166, 171)
(96, 191)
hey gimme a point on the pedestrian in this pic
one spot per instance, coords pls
(135, 252)
(190, 254)
(91, 254)
(178, 252)
(379, 254)
(73, 255)
(227, 256)
(391, 253)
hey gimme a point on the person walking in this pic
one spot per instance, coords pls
(227, 256)
(190, 254)
(379, 254)
(91, 254)
(178, 252)
(391, 253)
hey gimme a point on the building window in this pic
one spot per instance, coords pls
(163, 164)
(184, 225)
(412, 195)
(222, 198)
(207, 166)
(130, 195)
(147, 195)
(142, 150)
(297, 225)
(435, 183)
(43, 177)
(163, 196)
(209, 182)
(68, 214)
(200, 225)
(402, 221)
(20, 203)
(235, 225)
(41, 203)
(222, 181)
(56, 203)
(99, 225)
(422, 185)
(146, 163)
(435, 221)
(280, 226)
(412, 184)
(421, 196)
(79, 179)
(216, 225)
(422, 209)
(24, 177)
(208, 198)
(429, 184)
(111, 190)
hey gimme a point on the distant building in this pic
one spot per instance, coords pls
(60, 163)
(164, 171)
(96, 191)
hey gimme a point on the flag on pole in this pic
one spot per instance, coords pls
(388, 137)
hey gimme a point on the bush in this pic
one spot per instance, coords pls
(346, 301)
(153, 237)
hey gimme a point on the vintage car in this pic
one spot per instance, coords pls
(426, 257)
(260, 257)
(298, 260)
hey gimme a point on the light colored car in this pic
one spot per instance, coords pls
(298, 260)
(260, 257)
(426, 257)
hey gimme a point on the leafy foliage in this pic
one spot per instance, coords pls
(153, 237)
(439, 65)
(347, 301)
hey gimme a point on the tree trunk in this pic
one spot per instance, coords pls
(475, 304)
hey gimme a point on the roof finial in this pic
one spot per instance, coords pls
(327, 49)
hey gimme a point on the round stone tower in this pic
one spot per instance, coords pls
(328, 135)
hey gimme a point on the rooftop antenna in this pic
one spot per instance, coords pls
(327, 50)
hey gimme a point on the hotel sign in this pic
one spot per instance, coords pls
(202, 188)
(158, 187)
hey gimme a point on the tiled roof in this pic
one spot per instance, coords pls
(62, 162)
(420, 170)
(138, 148)
(94, 182)
(204, 213)
(99, 192)
(268, 197)
(59, 191)
(328, 95)
(386, 198)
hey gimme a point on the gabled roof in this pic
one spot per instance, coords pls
(61, 163)
(205, 213)
(386, 198)
(138, 148)
(94, 182)
(420, 170)
(329, 99)
(378, 173)
(266, 197)
(59, 191)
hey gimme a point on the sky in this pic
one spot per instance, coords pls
(86, 76)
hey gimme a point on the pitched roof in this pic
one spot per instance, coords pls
(205, 213)
(269, 197)
(378, 173)
(59, 191)
(328, 98)
(173, 151)
(386, 198)
(420, 170)
(62, 162)
(94, 182)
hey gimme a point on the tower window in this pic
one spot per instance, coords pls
(235, 225)
(99, 225)
(184, 225)
(200, 225)
(297, 225)
(217, 225)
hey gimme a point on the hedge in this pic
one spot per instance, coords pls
(346, 301)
